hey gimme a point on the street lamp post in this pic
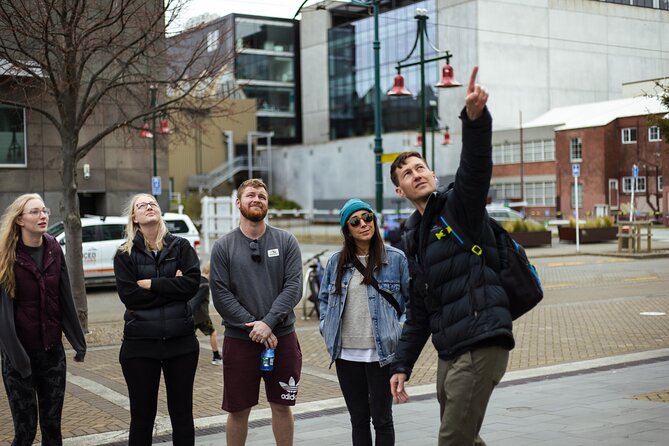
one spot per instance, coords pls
(447, 79)
(149, 133)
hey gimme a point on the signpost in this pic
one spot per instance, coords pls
(576, 171)
(155, 186)
(635, 175)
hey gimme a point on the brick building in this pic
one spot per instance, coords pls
(606, 139)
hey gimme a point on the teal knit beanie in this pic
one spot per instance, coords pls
(351, 206)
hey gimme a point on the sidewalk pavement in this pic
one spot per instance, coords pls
(612, 401)
(96, 408)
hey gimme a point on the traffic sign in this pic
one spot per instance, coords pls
(576, 170)
(155, 185)
(635, 170)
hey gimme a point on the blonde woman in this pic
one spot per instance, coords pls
(157, 273)
(36, 308)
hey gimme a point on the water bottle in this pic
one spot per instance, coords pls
(267, 360)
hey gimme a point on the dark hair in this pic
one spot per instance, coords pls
(400, 161)
(377, 252)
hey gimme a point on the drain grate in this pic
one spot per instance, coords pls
(661, 396)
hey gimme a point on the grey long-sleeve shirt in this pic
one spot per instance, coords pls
(244, 290)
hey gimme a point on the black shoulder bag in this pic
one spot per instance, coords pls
(391, 300)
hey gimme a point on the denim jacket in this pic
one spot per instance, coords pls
(393, 276)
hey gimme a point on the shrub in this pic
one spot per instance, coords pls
(597, 222)
(280, 203)
(523, 226)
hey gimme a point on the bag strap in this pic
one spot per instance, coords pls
(461, 236)
(391, 300)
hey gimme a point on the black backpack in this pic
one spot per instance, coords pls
(517, 275)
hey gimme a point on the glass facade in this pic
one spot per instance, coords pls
(12, 137)
(351, 71)
(266, 67)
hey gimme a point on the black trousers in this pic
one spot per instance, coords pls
(142, 375)
(43, 392)
(366, 390)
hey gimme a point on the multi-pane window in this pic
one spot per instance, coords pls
(537, 193)
(12, 137)
(575, 149)
(640, 184)
(654, 133)
(629, 135)
(533, 151)
(212, 41)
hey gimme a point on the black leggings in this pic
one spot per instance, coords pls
(366, 390)
(43, 392)
(142, 375)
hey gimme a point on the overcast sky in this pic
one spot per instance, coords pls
(272, 8)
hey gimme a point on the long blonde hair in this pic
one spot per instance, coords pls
(10, 233)
(132, 228)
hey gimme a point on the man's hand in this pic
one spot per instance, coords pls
(476, 98)
(397, 381)
(260, 332)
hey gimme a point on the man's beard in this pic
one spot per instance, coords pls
(253, 213)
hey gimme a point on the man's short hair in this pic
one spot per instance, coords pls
(400, 161)
(251, 182)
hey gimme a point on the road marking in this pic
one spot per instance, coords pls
(566, 263)
(558, 285)
(640, 279)
(100, 390)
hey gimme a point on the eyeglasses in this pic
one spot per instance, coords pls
(255, 251)
(146, 205)
(367, 217)
(37, 212)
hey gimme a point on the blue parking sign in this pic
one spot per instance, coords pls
(155, 185)
(576, 169)
(635, 170)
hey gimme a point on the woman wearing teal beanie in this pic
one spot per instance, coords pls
(363, 297)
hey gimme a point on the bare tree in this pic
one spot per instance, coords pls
(67, 58)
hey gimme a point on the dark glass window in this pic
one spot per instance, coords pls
(12, 137)
(282, 127)
(112, 232)
(89, 234)
(264, 67)
(263, 35)
(351, 72)
(272, 99)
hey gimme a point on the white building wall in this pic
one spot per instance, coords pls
(534, 55)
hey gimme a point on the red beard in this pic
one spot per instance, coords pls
(253, 213)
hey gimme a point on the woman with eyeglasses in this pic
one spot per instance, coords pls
(363, 297)
(157, 273)
(36, 308)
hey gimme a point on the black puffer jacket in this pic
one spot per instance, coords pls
(161, 312)
(456, 296)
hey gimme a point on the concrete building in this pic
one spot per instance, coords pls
(533, 57)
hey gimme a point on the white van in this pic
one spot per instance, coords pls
(101, 237)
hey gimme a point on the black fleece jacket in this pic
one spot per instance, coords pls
(456, 296)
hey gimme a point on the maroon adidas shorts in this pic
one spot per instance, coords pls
(242, 374)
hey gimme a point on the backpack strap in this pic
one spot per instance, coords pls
(461, 236)
(391, 300)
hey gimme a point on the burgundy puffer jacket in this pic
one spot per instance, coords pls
(37, 307)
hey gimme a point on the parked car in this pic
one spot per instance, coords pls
(502, 213)
(101, 237)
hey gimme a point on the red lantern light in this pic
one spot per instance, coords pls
(398, 87)
(164, 127)
(419, 140)
(145, 133)
(447, 138)
(447, 78)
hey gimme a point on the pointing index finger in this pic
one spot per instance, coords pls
(472, 78)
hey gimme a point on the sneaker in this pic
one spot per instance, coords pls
(216, 359)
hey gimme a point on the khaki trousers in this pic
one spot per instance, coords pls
(464, 386)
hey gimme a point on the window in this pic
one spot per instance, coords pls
(580, 196)
(660, 185)
(640, 184)
(212, 41)
(112, 232)
(654, 133)
(12, 137)
(88, 234)
(575, 149)
(540, 193)
(629, 135)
